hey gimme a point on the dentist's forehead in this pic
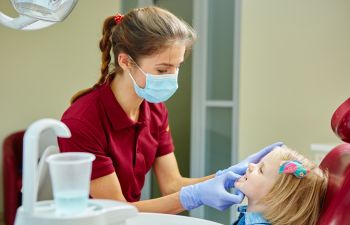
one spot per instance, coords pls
(172, 55)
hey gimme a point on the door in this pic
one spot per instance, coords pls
(215, 77)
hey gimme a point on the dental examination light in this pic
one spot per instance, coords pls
(37, 14)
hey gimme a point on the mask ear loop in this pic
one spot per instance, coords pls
(144, 73)
(133, 80)
(129, 72)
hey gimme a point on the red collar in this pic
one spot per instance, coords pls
(115, 113)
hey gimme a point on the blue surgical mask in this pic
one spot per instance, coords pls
(158, 88)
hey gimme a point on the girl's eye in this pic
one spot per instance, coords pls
(260, 170)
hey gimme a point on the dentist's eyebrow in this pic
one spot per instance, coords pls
(168, 64)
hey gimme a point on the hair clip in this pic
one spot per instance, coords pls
(293, 167)
(118, 18)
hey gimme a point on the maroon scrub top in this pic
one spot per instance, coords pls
(100, 126)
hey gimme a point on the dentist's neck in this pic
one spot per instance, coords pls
(123, 90)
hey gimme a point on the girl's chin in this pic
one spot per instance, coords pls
(240, 188)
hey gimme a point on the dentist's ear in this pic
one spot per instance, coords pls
(124, 61)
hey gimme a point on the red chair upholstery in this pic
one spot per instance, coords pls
(336, 208)
(341, 121)
(12, 175)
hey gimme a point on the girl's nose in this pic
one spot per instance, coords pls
(250, 167)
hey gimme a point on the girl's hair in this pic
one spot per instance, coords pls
(141, 32)
(295, 200)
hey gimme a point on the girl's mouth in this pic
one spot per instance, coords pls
(243, 178)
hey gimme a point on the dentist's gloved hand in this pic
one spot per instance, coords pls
(241, 167)
(212, 193)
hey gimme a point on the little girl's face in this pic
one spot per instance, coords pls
(260, 178)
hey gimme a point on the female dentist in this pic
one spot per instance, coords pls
(123, 121)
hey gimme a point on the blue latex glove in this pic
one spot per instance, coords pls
(241, 167)
(212, 193)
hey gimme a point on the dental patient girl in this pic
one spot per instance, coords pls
(283, 188)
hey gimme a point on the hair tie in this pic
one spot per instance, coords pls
(118, 18)
(293, 167)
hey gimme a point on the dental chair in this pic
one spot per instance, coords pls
(336, 208)
(12, 171)
(12, 174)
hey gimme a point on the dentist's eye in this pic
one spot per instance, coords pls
(161, 71)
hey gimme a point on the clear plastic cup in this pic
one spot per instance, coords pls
(70, 177)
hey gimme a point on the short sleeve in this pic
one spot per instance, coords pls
(165, 145)
(85, 138)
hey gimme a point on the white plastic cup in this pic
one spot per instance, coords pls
(70, 177)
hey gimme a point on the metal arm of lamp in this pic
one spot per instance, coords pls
(37, 14)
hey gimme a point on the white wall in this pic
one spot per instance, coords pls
(41, 70)
(294, 72)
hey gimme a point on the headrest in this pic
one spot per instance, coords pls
(341, 121)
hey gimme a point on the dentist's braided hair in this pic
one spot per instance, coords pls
(141, 32)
